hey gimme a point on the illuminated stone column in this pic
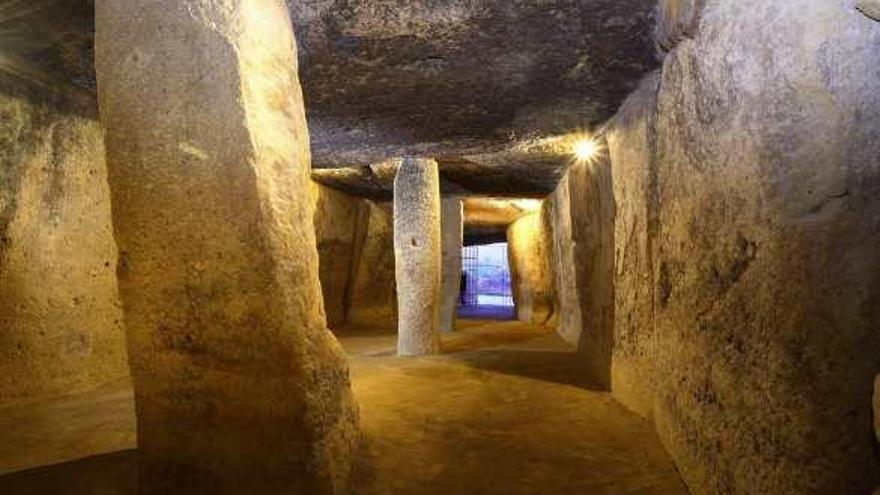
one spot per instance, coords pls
(452, 228)
(240, 388)
(417, 250)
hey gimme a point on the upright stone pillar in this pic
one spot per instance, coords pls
(417, 251)
(240, 388)
(452, 229)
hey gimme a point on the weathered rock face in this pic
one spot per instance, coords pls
(441, 78)
(452, 231)
(418, 257)
(339, 226)
(59, 306)
(373, 294)
(582, 213)
(568, 292)
(458, 79)
(631, 148)
(591, 212)
(239, 385)
(764, 257)
(530, 246)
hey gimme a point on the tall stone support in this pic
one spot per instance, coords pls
(452, 227)
(748, 270)
(417, 250)
(530, 254)
(239, 386)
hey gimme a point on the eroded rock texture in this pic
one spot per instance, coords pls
(631, 146)
(441, 78)
(418, 257)
(583, 231)
(452, 231)
(529, 246)
(240, 387)
(373, 294)
(764, 257)
(60, 320)
(568, 292)
(339, 227)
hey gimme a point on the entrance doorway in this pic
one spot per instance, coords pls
(485, 283)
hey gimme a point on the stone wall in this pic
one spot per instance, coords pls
(631, 147)
(592, 218)
(339, 223)
(530, 248)
(59, 306)
(747, 261)
(568, 292)
(373, 293)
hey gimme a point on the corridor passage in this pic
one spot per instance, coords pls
(503, 411)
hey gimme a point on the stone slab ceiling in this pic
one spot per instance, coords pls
(456, 80)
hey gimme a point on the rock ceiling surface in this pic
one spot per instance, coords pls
(472, 83)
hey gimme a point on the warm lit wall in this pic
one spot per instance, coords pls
(373, 294)
(631, 146)
(530, 250)
(748, 272)
(338, 219)
(60, 321)
(570, 322)
(582, 209)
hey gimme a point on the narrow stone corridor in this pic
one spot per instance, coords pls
(253, 247)
(504, 411)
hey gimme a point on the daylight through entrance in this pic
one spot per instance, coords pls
(485, 282)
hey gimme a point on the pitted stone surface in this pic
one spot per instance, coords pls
(530, 246)
(60, 320)
(240, 387)
(452, 230)
(418, 256)
(765, 264)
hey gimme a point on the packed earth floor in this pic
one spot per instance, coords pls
(503, 411)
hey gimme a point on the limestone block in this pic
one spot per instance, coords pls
(240, 387)
(373, 294)
(766, 266)
(634, 170)
(418, 253)
(452, 230)
(60, 320)
(565, 265)
(530, 253)
(338, 227)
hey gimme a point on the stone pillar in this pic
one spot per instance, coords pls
(417, 253)
(240, 388)
(452, 228)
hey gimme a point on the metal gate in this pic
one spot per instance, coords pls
(485, 276)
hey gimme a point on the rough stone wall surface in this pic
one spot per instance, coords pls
(418, 256)
(530, 253)
(240, 387)
(765, 261)
(677, 20)
(60, 320)
(570, 322)
(338, 227)
(373, 295)
(452, 230)
(631, 150)
(592, 220)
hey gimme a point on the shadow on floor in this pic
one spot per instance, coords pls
(108, 474)
(549, 366)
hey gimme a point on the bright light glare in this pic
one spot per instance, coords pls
(585, 149)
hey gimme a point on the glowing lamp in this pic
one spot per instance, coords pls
(585, 149)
